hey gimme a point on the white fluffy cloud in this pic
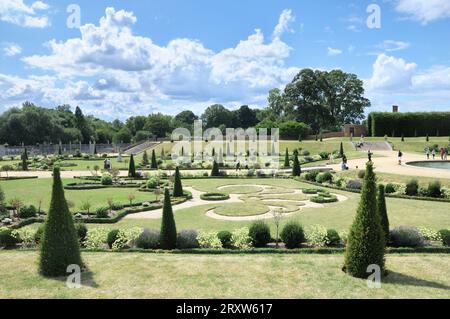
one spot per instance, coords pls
(424, 11)
(334, 52)
(19, 13)
(395, 81)
(12, 49)
(390, 73)
(108, 64)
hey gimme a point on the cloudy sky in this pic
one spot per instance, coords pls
(137, 57)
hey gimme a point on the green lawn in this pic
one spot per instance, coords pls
(139, 275)
(31, 191)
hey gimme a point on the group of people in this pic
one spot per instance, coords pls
(443, 153)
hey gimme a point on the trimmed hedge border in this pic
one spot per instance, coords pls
(324, 199)
(430, 199)
(214, 196)
(13, 178)
(87, 186)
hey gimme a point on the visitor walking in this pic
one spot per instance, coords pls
(246, 164)
(427, 151)
(442, 153)
(331, 158)
(238, 166)
(400, 155)
(433, 153)
(344, 166)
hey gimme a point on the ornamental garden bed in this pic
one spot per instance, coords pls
(214, 196)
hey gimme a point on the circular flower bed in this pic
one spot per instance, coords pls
(311, 191)
(214, 196)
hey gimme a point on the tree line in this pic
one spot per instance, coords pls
(315, 101)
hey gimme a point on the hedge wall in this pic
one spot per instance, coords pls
(409, 124)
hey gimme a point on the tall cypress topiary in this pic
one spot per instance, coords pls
(286, 158)
(341, 150)
(296, 169)
(177, 186)
(59, 243)
(366, 241)
(154, 162)
(215, 169)
(145, 158)
(168, 236)
(381, 202)
(25, 160)
(132, 167)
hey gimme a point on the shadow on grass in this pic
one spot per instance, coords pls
(402, 279)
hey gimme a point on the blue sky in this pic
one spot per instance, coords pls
(137, 57)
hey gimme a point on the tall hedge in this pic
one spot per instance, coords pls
(154, 164)
(168, 236)
(59, 243)
(25, 160)
(177, 186)
(366, 241)
(382, 210)
(145, 158)
(409, 124)
(132, 167)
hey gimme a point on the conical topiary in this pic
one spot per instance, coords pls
(382, 210)
(366, 241)
(145, 158)
(177, 186)
(168, 236)
(286, 158)
(132, 167)
(341, 150)
(296, 169)
(154, 162)
(59, 243)
(25, 160)
(215, 169)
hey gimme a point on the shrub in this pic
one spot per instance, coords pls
(316, 236)
(429, 234)
(111, 237)
(324, 177)
(354, 184)
(148, 239)
(306, 153)
(361, 174)
(126, 238)
(311, 176)
(333, 238)
(168, 228)
(132, 167)
(292, 235)
(152, 182)
(6, 238)
(107, 179)
(412, 188)
(38, 234)
(259, 233)
(240, 238)
(27, 211)
(366, 240)
(324, 155)
(81, 231)
(226, 238)
(445, 236)
(102, 212)
(296, 169)
(405, 236)
(59, 243)
(209, 240)
(96, 238)
(187, 239)
(310, 191)
(294, 130)
(434, 189)
(389, 188)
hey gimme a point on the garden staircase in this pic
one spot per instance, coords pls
(373, 146)
(139, 148)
